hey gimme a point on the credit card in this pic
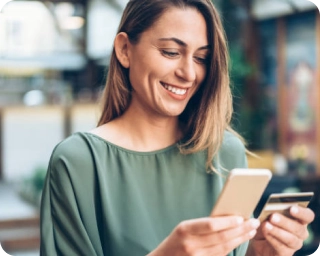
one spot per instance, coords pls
(282, 202)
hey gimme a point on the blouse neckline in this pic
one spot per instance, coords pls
(153, 152)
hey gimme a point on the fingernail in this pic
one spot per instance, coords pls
(294, 209)
(255, 223)
(252, 233)
(275, 218)
(269, 226)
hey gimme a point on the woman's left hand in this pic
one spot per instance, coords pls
(281, 235)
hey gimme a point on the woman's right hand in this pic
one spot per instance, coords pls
(207, 236)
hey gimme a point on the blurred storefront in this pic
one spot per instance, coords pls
(53, 57)
(287, 39)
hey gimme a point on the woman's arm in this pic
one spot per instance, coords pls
(65, 226)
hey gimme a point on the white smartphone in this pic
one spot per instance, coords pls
(242, 192)
(283, 201)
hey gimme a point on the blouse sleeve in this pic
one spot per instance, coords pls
(66, 228)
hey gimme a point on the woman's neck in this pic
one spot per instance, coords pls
(150, 131)
(141, 131)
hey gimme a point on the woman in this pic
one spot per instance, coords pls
(145, 180)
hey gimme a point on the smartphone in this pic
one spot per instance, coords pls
(242, 192)
(282, 202)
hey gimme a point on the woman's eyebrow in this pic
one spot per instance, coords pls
(181, 43)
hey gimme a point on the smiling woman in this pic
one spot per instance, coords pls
(165, 84)
(145, 180)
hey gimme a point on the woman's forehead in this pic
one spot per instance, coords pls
(186, 24)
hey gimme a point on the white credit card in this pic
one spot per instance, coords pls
(282, 202)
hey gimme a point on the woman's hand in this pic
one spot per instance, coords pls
(281, 235)
(207, 236)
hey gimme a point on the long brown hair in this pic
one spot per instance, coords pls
(208, 113)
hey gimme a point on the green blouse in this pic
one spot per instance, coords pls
(101, 199)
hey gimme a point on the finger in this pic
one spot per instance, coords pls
(278, 247)
(303, 215)
(202, 226)
(290, 225)
(247, 229)
(229, 245)
(250, 226)
(281, 239)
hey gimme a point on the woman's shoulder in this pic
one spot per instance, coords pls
(75, 147)
(231, 142)
(232, 153)
(72, 142)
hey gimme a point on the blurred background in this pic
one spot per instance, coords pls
(54, 58)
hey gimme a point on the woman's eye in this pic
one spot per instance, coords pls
(170, 54)
(201, 60)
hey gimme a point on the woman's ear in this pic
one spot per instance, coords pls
(121, 46)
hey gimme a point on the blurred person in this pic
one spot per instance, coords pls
(145, 180)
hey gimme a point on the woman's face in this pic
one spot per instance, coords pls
(168, 64)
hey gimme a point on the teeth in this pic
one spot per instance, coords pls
(175, 90)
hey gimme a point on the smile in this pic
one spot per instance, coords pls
(174, 90)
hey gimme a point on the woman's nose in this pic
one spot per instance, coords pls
(186, 70)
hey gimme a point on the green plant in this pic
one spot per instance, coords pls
(38, 178)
